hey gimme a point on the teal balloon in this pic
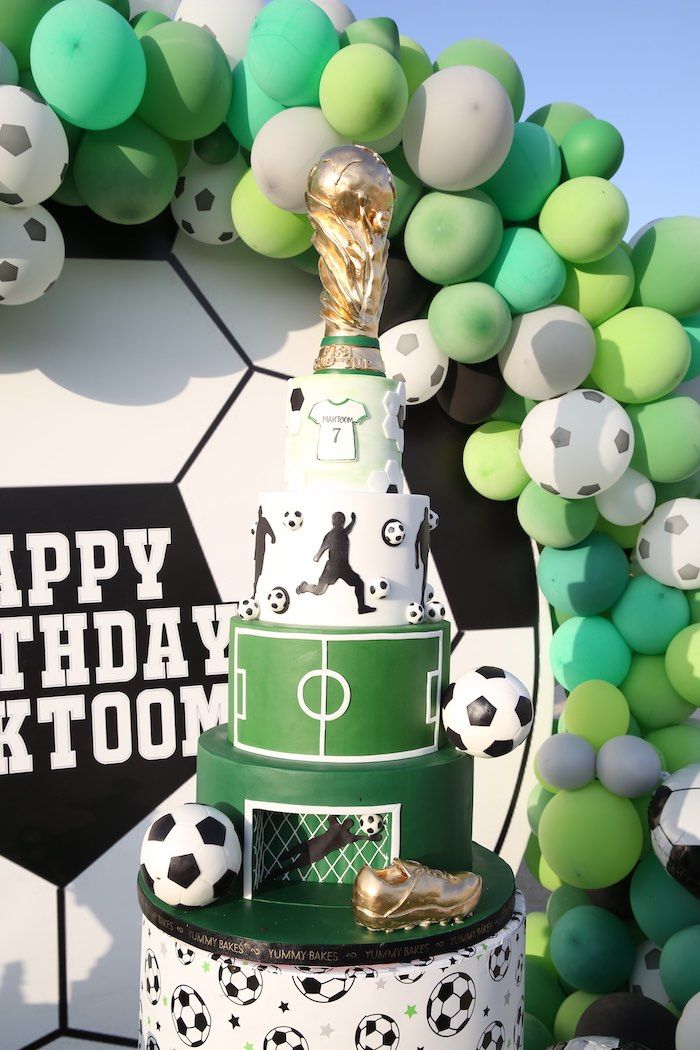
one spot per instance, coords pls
(660, 905)
(563, 899)
(584, 579)
(692, 327)
(592, 950)
(526, 271)
(88, 64)
(288, 48)
(588, 647)
(680, 966)
(649, 615)
(250, 107)
(527, 176)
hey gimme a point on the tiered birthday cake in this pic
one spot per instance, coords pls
(334, 763)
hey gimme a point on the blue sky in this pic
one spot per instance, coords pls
(635, 64)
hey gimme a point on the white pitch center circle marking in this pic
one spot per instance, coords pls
(323, 715)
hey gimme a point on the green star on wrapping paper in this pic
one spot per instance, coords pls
(411, 1011)
(206, 967)
(248, 1046)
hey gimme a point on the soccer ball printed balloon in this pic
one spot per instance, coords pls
(412, 356)
(393, 532)
(241, 984)
(284, 1038)
(151, 978)
(229, 23)
(377, 1032)
(487, 712)
(674, 820)
(190, 1016)
(451, 1004)
(191, 855)
(324, 989)
(372, 823)
(293, 519)
(668, 546)
(493, 1037)
(202, 202)
(279, 600)
(379, 588)
(645, 978)
(32, 254)
(576, 445)
(33, 148)
(414, 613)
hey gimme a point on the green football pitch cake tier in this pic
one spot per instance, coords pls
(303, 823)
(337, 694)
(344, 431)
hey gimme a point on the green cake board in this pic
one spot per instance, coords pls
(304, 924)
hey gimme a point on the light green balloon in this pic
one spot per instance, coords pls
(641, 355)
(288, 48)
(469, 322)
(409, 189)
(526, 271)
(489, 56)
(648, 615)
(592, 147)
(383, 32)
(563, 899)
(689, 487)
(527, 176)
(683, 663)
(570, 1012)
(363, 92)
(538, 867)
(559, 117)
(492, 461)
(624, 535)
(537, 938)
(584, 219)
(553, 521)
(536, 802)
(18, 20)
(652, 699)
(415, 62)
(679, 745)
(453, 237)
(590, 837)
(588, 647)
(666, 261)
(250, 107)
(512, 407)
(599, 289)
(667, 438)
(597, 711)
(263, 226)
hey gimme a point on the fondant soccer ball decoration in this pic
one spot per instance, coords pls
(493, 1037)
(379, 588)
(377, 1032)
(487, 712)
(324, 989)
(284, 1038)
(242, 985)
(249, 609)
(151, 978)
(393, 532)
(293, 519)
(191, 855)
(434, 611)
(674, 820)
(279, 600)
(668, 546)
(433, 519)
(411, 355)
(451, 1004)
(429, 592)
(576, 445)
(645, 978)
(372, 823)
(414, 613)
(190, 1015)
(184, 954)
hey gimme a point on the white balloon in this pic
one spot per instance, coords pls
(166, 7)
(229, 21)
(286, 149)
(689, 1025)
(548, 352)
(458, 128)
(32, 254)
(9, 73)
(202, 202)
(339, 13)
(33, 148)
(412, 356)
(629, 501)
(668, 545)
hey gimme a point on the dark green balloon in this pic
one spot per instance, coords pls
(592, 147)
(121, 6)
(543, 993)
(147, 20)
(592, 949)
(217, 148)
(537, 1036)
(661, 906)
(18, 20)
(383, 32)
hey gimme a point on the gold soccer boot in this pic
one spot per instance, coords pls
(408, 894)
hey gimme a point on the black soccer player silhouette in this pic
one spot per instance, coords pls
(263, 529)
(333, 838)
(337, 544)
(423, 549)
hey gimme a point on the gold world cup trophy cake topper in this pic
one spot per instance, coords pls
(350, 199)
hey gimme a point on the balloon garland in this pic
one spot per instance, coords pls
(565, 345)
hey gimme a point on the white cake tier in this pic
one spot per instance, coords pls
(340, 559)
(344, 431)
(474, 995)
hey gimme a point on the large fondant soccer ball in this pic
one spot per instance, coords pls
(190, 1015)
(412, 356)
(151, 978)
(576, 445)
(451, 1004)
(377, 1032)
(191, 855)
(487, 712)
(493, 1037)
(240, 984)
(324, 988)
(284, 1038)
(674, 820)
(668, 546)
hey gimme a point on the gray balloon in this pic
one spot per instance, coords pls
(628, 766)
(566, 762)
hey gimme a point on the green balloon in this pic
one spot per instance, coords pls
(376, 103)
(536, 801)
(592, 950)
(126, 174)
(263, 226)
(680, 965)
(526, 271)
(689, 486)
(68, 193)
(586, 578)
(88, 64)
(188, 89)
(469, 322)
(121, 6)
(182, 152)
(590, 837)
(409, 189)
(648, 615)
(383, 32)
(641, 805)
(537, 938)
(592, 147)
(584, 219)
(512, 407)
(563, 899)
(452, 237)
(569, 1014)
(666, 260)
(538, 866)
(652, 699)
(486, 55)
(18, 21)
(527, 176)
(624, 535)
(415, 62)
(599, 289)
(289, 45)
(679, 745)
(683, 663)
(218, 147)
(559, 117)
(660, 905)
(146, 21)
(536, 1035)
(250, 107)
(307, 261)
(553, 521)
(543, 993)
(694, 605)
(492, 461)
(692, 327)
(667, 438)
(588, 647)
(597, 711)
(641, 355)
